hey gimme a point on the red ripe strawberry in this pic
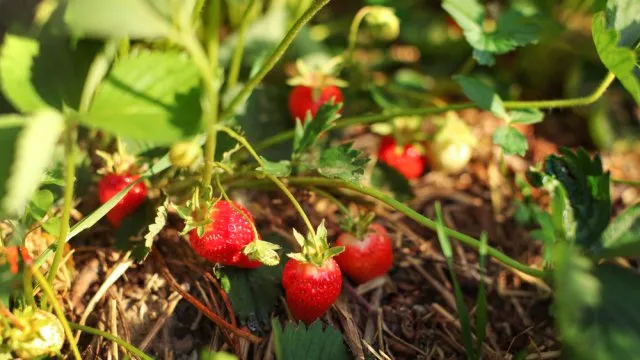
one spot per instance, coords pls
(367, 257)
(110, 185)
(312, 279)
(311, 289)
(305, 98)
(226, 236)
(409, 159)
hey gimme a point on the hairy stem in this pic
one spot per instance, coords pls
(404, 209)
(57, 308)
(273, 59)
(353, 33)
(374, 118)
(132, 349)
(239, 138)
(210, 101)
(236, 59)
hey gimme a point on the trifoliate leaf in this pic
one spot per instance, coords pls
(155, 228)
(307, 134)
(622, 61)
(586, 187)
(512, 29)
(278, 169)
(481, 94)
(510, 140)
(595, 307)
(297, 342)
(526, 116)
(342, 162)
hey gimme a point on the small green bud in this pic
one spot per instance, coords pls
(42, 334)
(383, 23)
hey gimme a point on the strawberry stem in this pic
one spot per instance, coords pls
(244, 142)
(236, 59)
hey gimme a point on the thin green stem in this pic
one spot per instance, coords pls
(273, 59)
(236, 59)
(374, 118)
(561, 103)
(353, 33)
(132, 349)
(211, 103)
(57, 308)
(626, 182)
(244, 142)
(404, 209)
(69, 179)
(97, 72)
(27, 285)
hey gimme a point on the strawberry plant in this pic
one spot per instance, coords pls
(154, 190)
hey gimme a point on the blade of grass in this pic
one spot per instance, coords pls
(461, 307)
(481, 301)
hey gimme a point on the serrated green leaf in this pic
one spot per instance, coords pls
(152, 90)
(45, 72)
(298, 342)
(596, 307)
(307, 134)
(510, 140)
(622, 236)
(136, 19)
(10, 127)
(526, 116)
(278, 169)
(585, 203)
(254, 292)
(342, 162)
(622, 61)
(34, 154)
(387, 178)
(512, 29)
(481, 94)
(155, 228)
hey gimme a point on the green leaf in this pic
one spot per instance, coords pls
(621, 61)
(10, 127)
(512, 29)
(624, 15)
(622, 236)
(481, 94)
(587, 191)
(596, 307)
(307, 134)
(45, 72)
(387, 178)
(254, 292)
(136, 19)
(156, 91)
(155, 228)
(297, 342)
(526, 116)
(510, 140)
(342, 162)
(40, 205)
(278, 169)
(34, 154)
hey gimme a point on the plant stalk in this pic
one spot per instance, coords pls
(57, 308)
(353, 33)
(132, 349)
(404, 209)
(236, 59)
(273, 59)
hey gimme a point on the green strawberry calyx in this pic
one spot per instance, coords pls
(357, 225)
(263, 251)
(196, 213)
(315, 247)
